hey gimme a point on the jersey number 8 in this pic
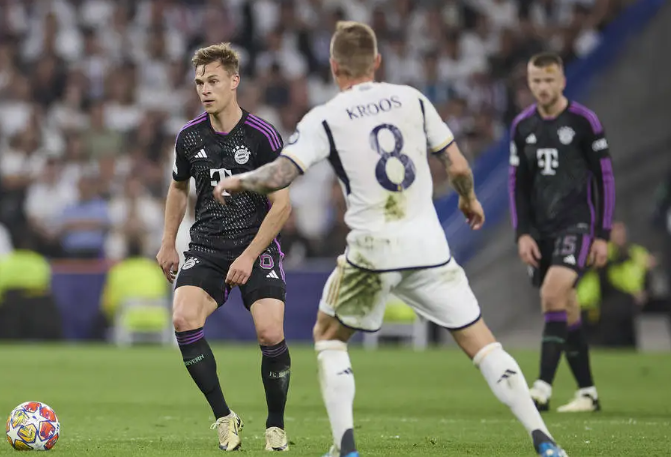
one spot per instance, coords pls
(394, 171)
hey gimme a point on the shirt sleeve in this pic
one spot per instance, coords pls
(520, 182)
(271, 145)
(310, 143)
(597, 156)
(438, 134)
(181, 168)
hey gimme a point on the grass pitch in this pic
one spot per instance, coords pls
(142, 402)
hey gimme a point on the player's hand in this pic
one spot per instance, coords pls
(168, 259)
(528, 250)
(472, 209)
(598, 253)
(229, 186)
(240, 270)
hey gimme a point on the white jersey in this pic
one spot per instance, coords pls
(376, 136)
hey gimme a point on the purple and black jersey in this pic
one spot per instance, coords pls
(223, 232)
(561, 175)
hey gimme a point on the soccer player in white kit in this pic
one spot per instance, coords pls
(376, 136)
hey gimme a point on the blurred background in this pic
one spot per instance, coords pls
(93, 92)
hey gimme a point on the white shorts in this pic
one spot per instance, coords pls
(357, 298)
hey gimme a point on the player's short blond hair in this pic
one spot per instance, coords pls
(222, 53)
(546, 59)
(354, 48)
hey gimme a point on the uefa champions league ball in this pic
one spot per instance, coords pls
(33, 426)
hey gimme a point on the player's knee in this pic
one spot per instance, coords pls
(191, 307)
(186, 318)
(329, 328)
(318, 332)
(553, 297)
(324, 330)
(270, 335)
(183, 322)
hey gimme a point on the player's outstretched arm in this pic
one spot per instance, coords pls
(271, 177)
(461, 177)
(175, 208)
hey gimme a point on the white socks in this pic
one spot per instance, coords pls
(336, 380)
(502, 373)
(506, 380)
(591, 391)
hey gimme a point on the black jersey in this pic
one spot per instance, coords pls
(223, 232)
(561, 175)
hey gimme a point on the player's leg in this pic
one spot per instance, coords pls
(577, 355)
(336, 380)
(568, 257)
(353, 299)
(555, 292)
(264, 295)
(268, 315)
(444, 296)
(197, 295)
(507, 382)
(541, 391)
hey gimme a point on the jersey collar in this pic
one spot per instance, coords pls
(361, 86)
(549, 119)
(225, 134)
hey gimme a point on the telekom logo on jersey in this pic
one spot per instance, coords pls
(217, 174)
(548, 160)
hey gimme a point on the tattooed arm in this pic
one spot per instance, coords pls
(461, 176)
(458, 171)
(273, 176)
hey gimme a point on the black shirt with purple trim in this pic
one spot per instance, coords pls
(561, 174)
(223, 232)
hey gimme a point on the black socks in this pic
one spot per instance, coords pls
(202, 367)
(276, 373)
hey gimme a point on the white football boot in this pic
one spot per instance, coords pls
(540, 393)
(276, 439)
(228, 429)
(585, 401)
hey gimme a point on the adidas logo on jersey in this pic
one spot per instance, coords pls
(273, 275)
(531, 139)
(569, 259)
(201, 154)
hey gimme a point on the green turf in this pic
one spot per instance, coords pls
(141, 401)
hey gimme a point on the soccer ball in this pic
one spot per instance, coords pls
(33, 426)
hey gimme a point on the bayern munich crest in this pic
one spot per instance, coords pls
(242, 155)
(566, 135)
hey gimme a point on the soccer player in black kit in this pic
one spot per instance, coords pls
(562, 197)
(231, 245)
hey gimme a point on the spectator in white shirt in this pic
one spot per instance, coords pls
(134, 214)
(45, 201)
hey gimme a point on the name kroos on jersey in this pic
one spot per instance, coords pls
(371, 109)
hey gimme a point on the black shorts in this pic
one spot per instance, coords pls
(266, 281)
(568, 250)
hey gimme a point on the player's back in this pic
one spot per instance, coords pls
(377, 136)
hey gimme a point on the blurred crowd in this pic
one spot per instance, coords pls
(93, 92)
